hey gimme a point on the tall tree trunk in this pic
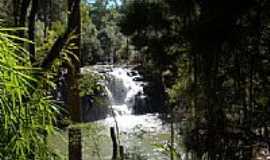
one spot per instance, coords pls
(195, 73)
(172, 134)
(45, 19)
(75, 145)
(73, 98)
(23, 12)
(31, 29)
(251, 85)
(15, 11)
(214, 110)
(74, 26)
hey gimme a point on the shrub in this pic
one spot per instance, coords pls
(27, 112)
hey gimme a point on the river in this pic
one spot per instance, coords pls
(144, 136)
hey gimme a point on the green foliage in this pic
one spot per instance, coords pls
(96, 135)
(27, 113)
(213, 58)
(166, 149)
(5, 11)
(101, 36)
(44, 45)
(90, 84)
(181, 87)
(90, 46)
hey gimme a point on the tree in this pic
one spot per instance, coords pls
(74, 26)
(218, 50)
(31, 30)
(73, 100)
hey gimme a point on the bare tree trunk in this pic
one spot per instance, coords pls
(45, 18)
(114, 142)
(31, 30)
(122, 155)
(74, 26)
(172, 149)
(251, 85)
(15, 11)
(74, 146)
(23, 12)
(73, 97)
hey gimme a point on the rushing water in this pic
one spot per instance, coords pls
(126, 90)
(138, 133)
(142, 135)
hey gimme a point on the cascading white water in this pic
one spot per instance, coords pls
(124, 90)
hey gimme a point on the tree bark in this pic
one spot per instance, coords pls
(172, 135)
(73, 97)
(45, 19)
(31, 30)
(75, 145)
(114, 142)
(74, 27)
(55, 50)
(15, 11)
(23, 12)
(122, 154)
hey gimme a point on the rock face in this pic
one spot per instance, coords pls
(260, 152)
(125, 95)
(92, 111)
(126, 90)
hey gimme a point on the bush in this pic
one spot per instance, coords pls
(27, 112)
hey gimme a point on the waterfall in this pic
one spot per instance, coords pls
(125, 90)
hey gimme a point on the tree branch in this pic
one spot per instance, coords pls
(55, 50)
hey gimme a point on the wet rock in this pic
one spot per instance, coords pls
(91, 111)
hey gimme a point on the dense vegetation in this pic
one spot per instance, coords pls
(208, 63)
(214, 59)
(25, 121)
